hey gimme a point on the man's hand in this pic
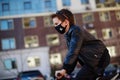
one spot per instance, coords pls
(61, 72)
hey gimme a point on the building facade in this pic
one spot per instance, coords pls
(26, 24)
(15, 61)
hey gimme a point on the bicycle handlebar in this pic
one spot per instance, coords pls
(58, 74)
(63, 77)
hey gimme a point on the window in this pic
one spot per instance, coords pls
(117, 2)
(117, 15)
(119, 30)
(5, 7)
(93, 32)
(66, 2)
(27, 5)
(8, 44)
(29, 22)
(52, 39)
(55, 58)
(100, 1)
(105, 3)
(48, 21)
(107, 33)
(6, 24)
(104, 16)
(48, 4)
(112, 51)
(33, 61)
(87, 17)
(31, 41)
(84, 1)
(10, 64)
(110, 3)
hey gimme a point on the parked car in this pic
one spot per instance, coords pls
(30, 75)
(112, 71)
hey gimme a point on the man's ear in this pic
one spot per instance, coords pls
(66, 21)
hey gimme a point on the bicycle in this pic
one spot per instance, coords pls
(110, 77)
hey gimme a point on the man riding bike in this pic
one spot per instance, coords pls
(83, 47)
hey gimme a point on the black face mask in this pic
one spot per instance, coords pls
(60, 29)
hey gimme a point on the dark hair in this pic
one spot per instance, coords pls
(64, 14)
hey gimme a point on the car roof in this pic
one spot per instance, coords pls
(31, 71)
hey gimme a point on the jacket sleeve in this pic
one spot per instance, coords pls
(73, 50)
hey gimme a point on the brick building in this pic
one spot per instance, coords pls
(26, 24)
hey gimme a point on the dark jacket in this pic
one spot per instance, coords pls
(82, 47)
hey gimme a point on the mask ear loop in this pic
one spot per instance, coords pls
(65, 16)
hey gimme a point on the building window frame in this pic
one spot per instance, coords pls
(117, 13)
(48, 4)
(117, 3)
(33, 61)
(55, 58)
(84, 1)
(48, 21)
(112, 51)
(93, 32)
(10, 63)
(118, 30)
(27, 5)
(7, 23)
(87, 17)
(100, 1)
(104, 16)
(29, 43)
(10, 42)
(29, 22)
(66, 2)
(5, 7)
(52, 39)
(107, 33)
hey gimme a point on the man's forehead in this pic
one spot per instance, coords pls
(56, 19)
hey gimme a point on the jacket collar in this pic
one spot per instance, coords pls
(70, 29)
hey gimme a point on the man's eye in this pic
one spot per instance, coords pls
(56, 24)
